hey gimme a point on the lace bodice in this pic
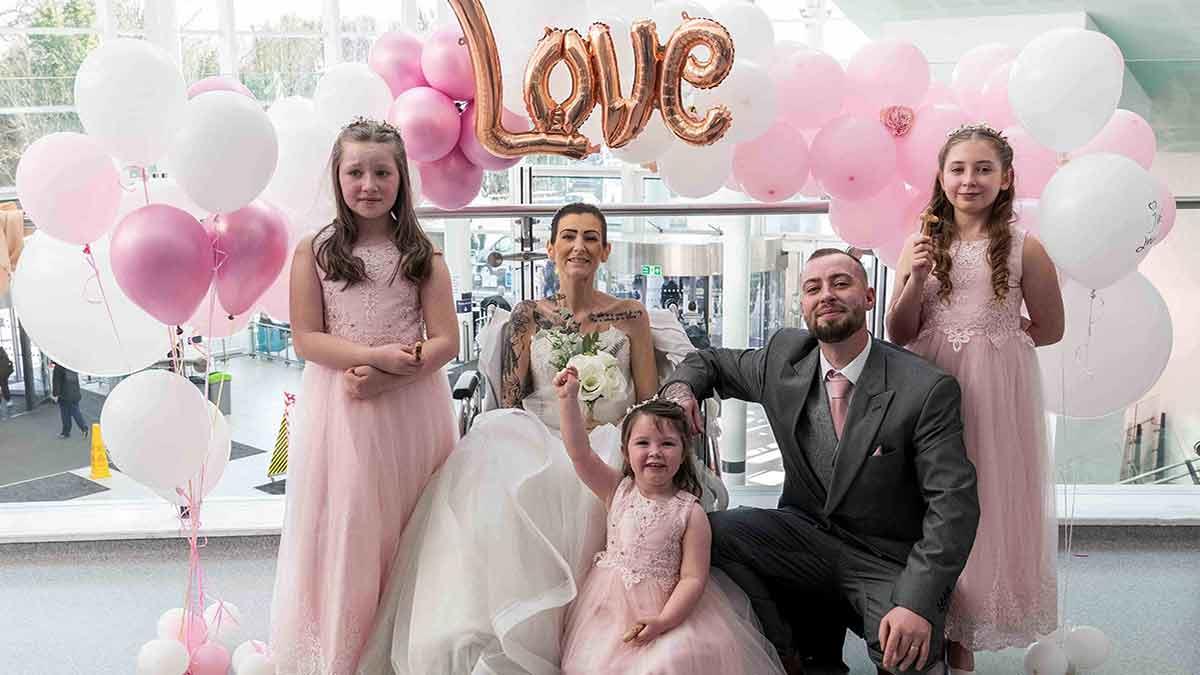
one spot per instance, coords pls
(374, 312)
(645, 536)
(972, 311)
(543, 401)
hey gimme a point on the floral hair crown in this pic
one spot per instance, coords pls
(638, 406)
(982, 128)
(361, 121)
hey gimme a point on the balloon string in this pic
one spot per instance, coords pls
(145, 185)
(112, 321)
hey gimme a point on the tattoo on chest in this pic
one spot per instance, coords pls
(615, 317)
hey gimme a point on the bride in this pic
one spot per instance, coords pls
(505, 532)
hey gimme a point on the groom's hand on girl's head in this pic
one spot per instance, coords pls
(682, 395)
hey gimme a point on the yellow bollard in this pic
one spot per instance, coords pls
(99, 456)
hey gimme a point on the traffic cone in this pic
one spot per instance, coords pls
(99, 456)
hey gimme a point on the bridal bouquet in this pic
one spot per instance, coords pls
(600, 374)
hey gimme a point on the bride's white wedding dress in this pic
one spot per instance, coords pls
(500, 541)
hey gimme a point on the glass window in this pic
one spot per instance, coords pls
(201, 56)
(295, 16)
(18, 131)
(275, 67)
(197, 15)
(371, 16)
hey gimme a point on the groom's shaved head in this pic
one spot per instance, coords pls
(823, 252)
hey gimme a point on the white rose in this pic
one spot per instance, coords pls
(591, 376)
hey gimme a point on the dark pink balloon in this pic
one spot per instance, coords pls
(446, 63)
(396, 56)
(452, 181)
(428, 121)
(252, 247)
(219, 83)
(468, 142)
(163, 259)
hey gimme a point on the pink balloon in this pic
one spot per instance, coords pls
(452, 181)
(917, 151)
(396, 57)
(219, 83)
(1033, 163)
(210, 659)
(974, 69)
(428, 121)
(897, 230)
(163, 259)
(939, 93)
(1167, 203)
(773, 166)
(809, 88)
(1127, 133)
(211, 319)
(275, 301)
(853, 158)
(446, 63)
(468, 142)
(862, 223)
(886, 73)
(252, 246)
(992, 106)
(69, 187)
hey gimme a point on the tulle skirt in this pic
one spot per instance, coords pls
(720, 637)
(492, 556)
(356, 470)
(1008, 592)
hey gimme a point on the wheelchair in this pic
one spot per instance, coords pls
(475, 391)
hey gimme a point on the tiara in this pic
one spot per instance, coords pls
(638, 406)
(982, 127)
(360, 121)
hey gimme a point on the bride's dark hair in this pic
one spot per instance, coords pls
(670, 414)
(579, 208)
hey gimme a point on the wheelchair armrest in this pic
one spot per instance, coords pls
(467, 384)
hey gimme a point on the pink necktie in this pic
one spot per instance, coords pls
(838, 388)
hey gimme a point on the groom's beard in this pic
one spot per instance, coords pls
(839, 329)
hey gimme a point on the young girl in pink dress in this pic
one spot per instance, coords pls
(646, 605)
(961, 283)
(373, 317)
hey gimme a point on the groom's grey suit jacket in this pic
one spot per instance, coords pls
(898, 483)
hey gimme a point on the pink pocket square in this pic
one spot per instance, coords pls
(878, 452)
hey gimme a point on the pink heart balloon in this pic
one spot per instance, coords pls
(252, 246)
(162, 258)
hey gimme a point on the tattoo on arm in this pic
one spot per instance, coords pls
(512, 379)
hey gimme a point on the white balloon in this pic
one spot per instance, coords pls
(256, 664)
(517, 29)
(752, 31)
(1098, 216)
(224, 620)
(217, 458)
(414, 182)
(652, 143)
(350, 90)
(1045, 658)
(162, 657)
(1065, 85)
(1087, 647)
(668, 16)
(1026, 213)
(292, 110)
(225, 151)
(58, 299)
(130, 96)
(161, 191)
(749, 93)
(156, 449)
(1115, 348)
(696, 171)
(302, 180)
(170, 624)
(629, 9)
(246, 649)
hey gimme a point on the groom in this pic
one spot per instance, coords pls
(879, 506)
